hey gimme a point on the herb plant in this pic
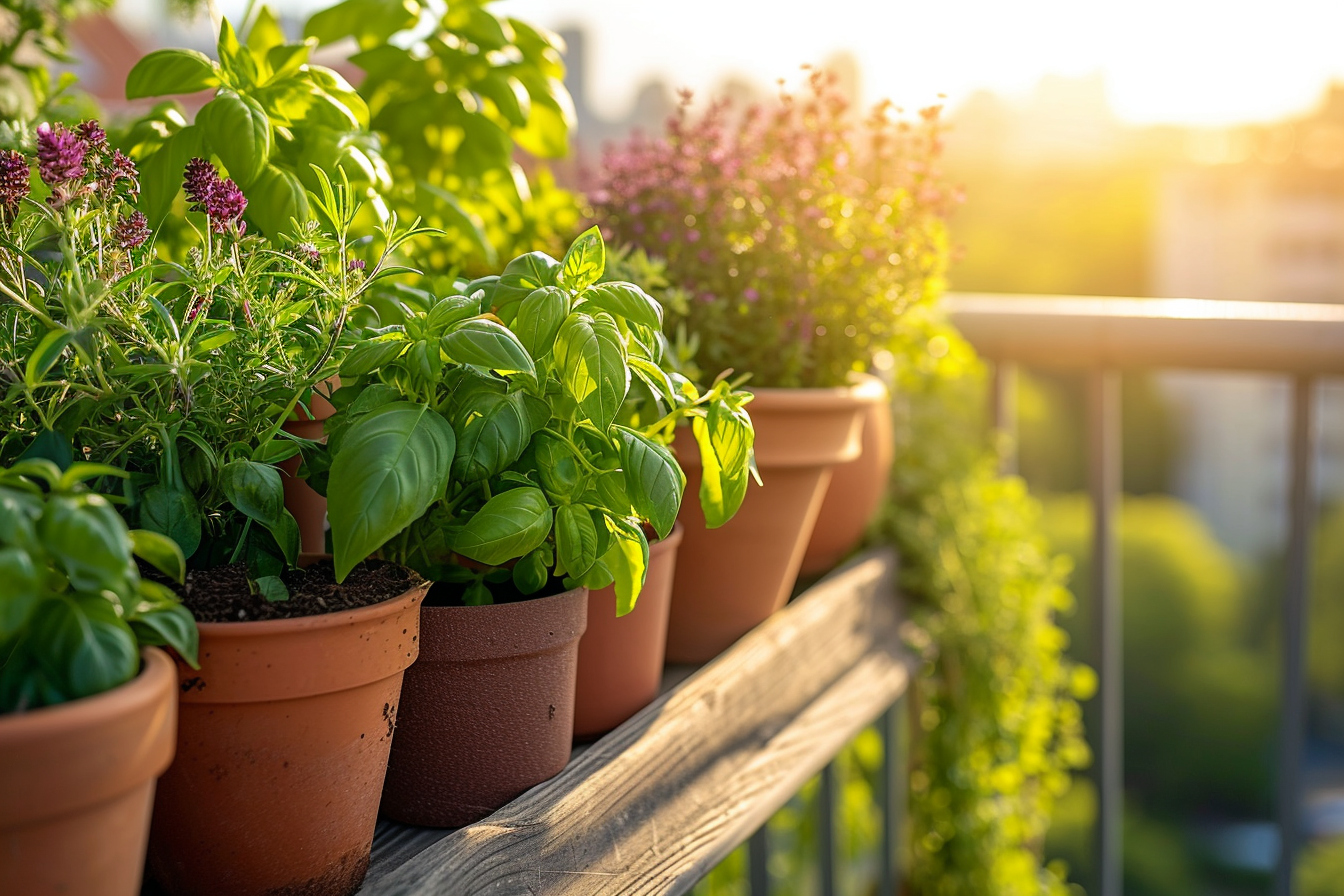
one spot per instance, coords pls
(801, 235)
(32, 40)
(182, 373)
(75, 611)
(517, 431)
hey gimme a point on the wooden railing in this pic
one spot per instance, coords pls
(1101, 337)
(656, 804)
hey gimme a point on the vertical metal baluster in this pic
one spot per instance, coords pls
(894, 728)
(758, 861)
(1003, 400)
(826, 845)
(1301, 510)
(1104, 425)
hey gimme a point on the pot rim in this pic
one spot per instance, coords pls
(865, 391)
(157, 672)
(568, 594)
(251, 628)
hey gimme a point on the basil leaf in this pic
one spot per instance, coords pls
(165, 72)
(392, 465)
(509, 525)
(575, 539)
(493, 431)
(585, 261)
(539, 319)
(485, 343)
(653, 480)
(628, 560)
(161, 552)
(161, 173)
(530, 574)
(254, 489)
(628, 301)
(725, 437)
(591, 357)
(88, 538)
(22, 590)
(168, 623)
(82, 645)
(557, 466)
(239, 132)
(374, 353)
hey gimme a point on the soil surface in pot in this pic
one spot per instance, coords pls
(224, 594)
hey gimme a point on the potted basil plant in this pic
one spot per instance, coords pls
(88, 703)
(487, 442)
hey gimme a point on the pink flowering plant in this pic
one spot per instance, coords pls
(798, 232)
(182, 373)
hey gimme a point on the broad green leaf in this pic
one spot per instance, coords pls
(653, 479)
(557, 466)
(174, 513)
(488, 344)
(539, 318)
(628, 301)
(374, 353)
(520, 277)
(628, 560)
(22, 590)
(266, 31)
(493, 431)
(254, 489)
(161, 552)
(575, 539)
(585, 261)
(83, 645)
(392, 465)
(272, 589)
(19, 512)
(725, 438)
(46, 354)
(168, 623)
(50, 445)
(165, 72)
(235, 59)
(530, 574)
(237, 130)
(592, 364)
(509, 525)
(450, 310)
(161, 173)
(275, 200)
(370, 22)
(89, 540)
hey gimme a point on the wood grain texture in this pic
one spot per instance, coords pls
(653, 806)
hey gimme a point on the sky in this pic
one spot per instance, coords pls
(1202, 62)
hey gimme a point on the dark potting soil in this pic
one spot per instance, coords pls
(224, 594)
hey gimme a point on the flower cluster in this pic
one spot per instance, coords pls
(76, 163)
(220, 198)
(800, 232)
(14, 187)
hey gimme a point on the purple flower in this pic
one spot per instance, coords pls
(225, 207)
(93, 135)
(60, 154)
(120, 168)
(355, 264)
(131, 231)
(13, 184)
(200, 182)
(308, 254)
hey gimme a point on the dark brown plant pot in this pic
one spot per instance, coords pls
(621, 659)
(487, 711)
(77, 784)
(282, 749)
(309, 508)
(730, 579)
(857, 488)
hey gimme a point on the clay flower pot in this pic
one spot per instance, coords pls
(857, 488)
(77, 784)
(621, 660)
(281, 752)
(731, 579)
(487, 711)
(309, 508)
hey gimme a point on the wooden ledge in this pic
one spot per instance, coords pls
(654, 805)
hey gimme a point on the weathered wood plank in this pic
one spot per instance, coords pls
(653, 806)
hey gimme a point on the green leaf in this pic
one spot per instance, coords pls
(485, 343)
(161, 552)
(45, 356)
(276, 199)
(373, 354)
(530, 574)
(83, 645)
(509, 525)
(520, 277)
(493, 431)
(22, 589)
(370, 22)
(585, 261)
(235, 59)
(575, 539)
(266, 31)
(392, 464)
(725, 438)
(161, 174)
(50, 445)
(653, 479)
(168, 623)
(172, 512)
(628, 301)
(19, 512)
(272, 588)
(450, 310)
(89, 540)
(628, 560)
(557, 466)
(165, 72)
(591, 357)
(254, 489)
(237, 130)
(539, 318)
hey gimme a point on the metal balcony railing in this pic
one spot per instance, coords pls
(1101, 337)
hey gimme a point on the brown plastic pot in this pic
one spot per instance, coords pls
(77, 784)
(731, 579)
(621, 659)
(281, 752)
(309, 508)
(857, 488)
(487, 711)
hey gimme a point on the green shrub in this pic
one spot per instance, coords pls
(1320, 869)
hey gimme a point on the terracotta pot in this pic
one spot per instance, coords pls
(77, 784)
(488, 711)
(856, 488)
(309, 508)
(731, 579)
(281, 752)
(621, 659)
